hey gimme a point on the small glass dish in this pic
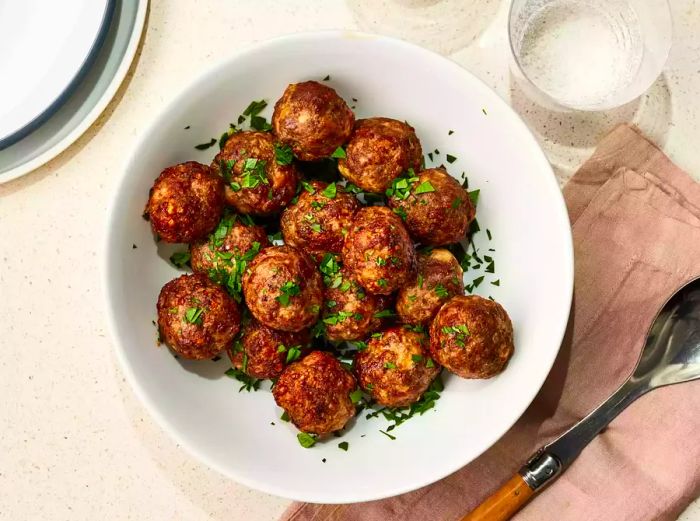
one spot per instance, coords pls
(588, 54)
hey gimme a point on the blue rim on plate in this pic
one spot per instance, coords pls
(72, 85)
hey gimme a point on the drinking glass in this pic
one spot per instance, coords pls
(589, 54)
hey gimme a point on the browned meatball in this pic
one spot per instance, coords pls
(436, 208)
(283, 289)
(312, 119)
(255, 182)
(262, 352)
(185, 203)
(350, 313)
(395, 368)
(196, 318)
(472, 337)
(318, 222)
(378, 250)
(315, 393)
(439, 279)
(232, 242)
(379, 151)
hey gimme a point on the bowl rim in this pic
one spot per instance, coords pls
(107, 268)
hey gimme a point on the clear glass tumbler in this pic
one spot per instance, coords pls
(589, 54)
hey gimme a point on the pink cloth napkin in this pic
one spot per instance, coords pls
(636, 226)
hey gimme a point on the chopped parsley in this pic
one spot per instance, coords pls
(194, 316)
(308, 187)
(474, 196)
(401, 186)
(417, 358)
(356, 396)
(293, 353)
(339, 153)
(289, 289)
(382, 283)
(429, 363)
(260, 123)
(496, 282)
(254, 173)
(249, 383)
(180, 258)
(306, 440)
(450, 158)
(387, 435)
(380, 261)
(424, 188)
(401, 213)
(441, 291)
(459, 332)
(330, 191)
(343, 445)
(450, 132)
(255, 108)
(389, 365)
(327, 78)
(204, 146)
(385, 313)
(283, 154)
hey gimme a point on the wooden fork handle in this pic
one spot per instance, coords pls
(504, 503)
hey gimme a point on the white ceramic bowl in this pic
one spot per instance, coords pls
(520, 203)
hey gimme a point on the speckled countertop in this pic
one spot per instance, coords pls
(74, 441)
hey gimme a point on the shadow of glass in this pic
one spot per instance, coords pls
(442, 25)
(569, 137)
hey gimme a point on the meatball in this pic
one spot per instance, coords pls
(350, 313)
(378, 251)
(437, 210)
(315, 393)
(312, 119)
(395, 368)
(185, 203)
(232, 242)
(472, 337)
(196, 318)
(262, 352)
(318, 222)
(439, 279)
(379, 151)
(283, 289)
(255, 182)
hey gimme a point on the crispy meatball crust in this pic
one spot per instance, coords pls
(264, 194)
(349, 311)
(316, 224)
(185, 203)
(203, 336)
(315, 393)
(439, 279)
(312, 119)
(283, 289)
(393, 368)
(239, 239)
(438, 217)
(379, 151)
(260, 346)
(378, 251)
(484, 350)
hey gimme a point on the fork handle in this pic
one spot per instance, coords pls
(504, 503)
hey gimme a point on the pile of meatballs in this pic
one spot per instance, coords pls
(346, 272)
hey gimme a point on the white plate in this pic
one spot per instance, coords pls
(93, 93)
(520, 203)
(46, 47)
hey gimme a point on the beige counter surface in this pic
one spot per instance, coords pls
(74, 441)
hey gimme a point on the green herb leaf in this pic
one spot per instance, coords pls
(308, 187)
(441, 291)
(204, 146)
(330, 191)
(180, 258)
(255, 108)
(474, 196)
(194, 316)
(249, 383)
(343, 445)
(356, 395)
(293, 353)
(260, 124)
(424, 188)
(389, 365)
(283, 154)
(385, 313)
(254, 173)
(429, 363)
(496, 282)
(339, 153)
(417, 358)
(450, 158)
(289, 289)
(401, 213)
(306, 440)
(387, 435)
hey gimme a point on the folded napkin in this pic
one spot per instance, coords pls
(636, 227)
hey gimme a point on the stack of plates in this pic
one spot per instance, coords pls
(62, 63)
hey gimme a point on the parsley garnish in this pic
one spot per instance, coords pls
(417, 358)
(441, 291)
(204, 146)
(382, 283)
(356, 396)
(255, 108)
(180, 258)
(387, 435)
(330, 191)
(254, 173)
(343, 445)
(496, 282)
(339, 153)
(194, 316)
(283, 154)
(249, 383)
(385, 313)
(401, 186)
(474, 196)
(389, 365)
(401, 213)
(424, 188)
(306, 440)
(460, 333)
(289, 289)
(450, 158)
(308, 187)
